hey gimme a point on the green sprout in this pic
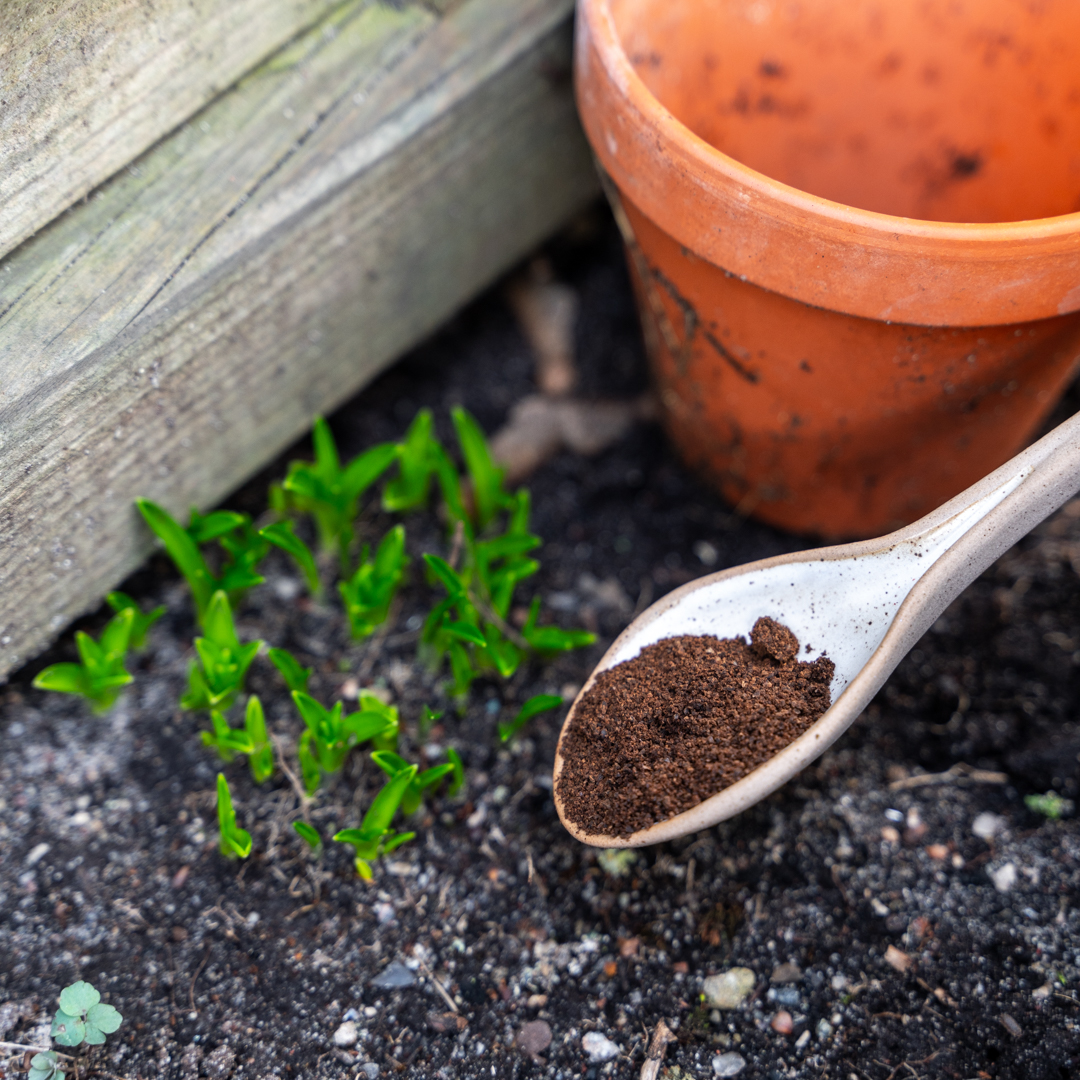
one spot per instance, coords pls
(427, 720)
(235, 842)
(391, 764)
(295, 676)
(1051, 805)
(309, 834)
(331, 493)
(369, 592)
(251, 739)
(418, 460)
(101, 675)
(243, 547)
(141, 623)
(535, 705)
(82, 1018)
(617, 861)
(374, 837)
(217, 677)
(331, 734)
(281, 535)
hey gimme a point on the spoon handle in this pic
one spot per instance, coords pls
(1043, 477)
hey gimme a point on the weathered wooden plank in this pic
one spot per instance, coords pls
(175, 332)
(86, 86)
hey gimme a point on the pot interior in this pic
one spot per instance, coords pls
(945, 110)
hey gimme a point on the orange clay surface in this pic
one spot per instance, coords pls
(784, 167)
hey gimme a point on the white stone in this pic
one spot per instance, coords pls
(346, 1035)
(728, 1064)
(1004, 877)
(729, 989)
(599, 1047)
(986, 826)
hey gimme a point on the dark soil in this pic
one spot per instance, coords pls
(109, 868)
(682, 720)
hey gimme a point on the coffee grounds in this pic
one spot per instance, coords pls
(687, 717)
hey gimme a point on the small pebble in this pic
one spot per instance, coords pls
(786, 973)
(370, 1069)
(346, 1035)
(786, 995)
(729, 989)
(782, 1022)
(938, 852)
(1004, 877)
(986, 825)
(599, 1047)
(730, 1064)
(824, 1030)
(897, 959)
(1011, 1026)
(393, 977)
(534, 1037)
(802, 1040)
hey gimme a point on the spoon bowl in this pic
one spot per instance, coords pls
(864, 605)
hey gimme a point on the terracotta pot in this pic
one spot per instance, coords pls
(854, 229)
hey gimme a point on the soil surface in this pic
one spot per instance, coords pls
(898, 902)
(684, 719)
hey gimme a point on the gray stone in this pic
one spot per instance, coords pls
(393, 977)
(730, 1064)
(729, 989)
(346, 1035)
(599, 1047)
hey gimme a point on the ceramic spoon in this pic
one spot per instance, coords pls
(864, 604)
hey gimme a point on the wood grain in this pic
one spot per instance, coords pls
(88, 85)
(172, 334)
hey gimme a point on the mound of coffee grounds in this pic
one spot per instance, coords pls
(688, 716)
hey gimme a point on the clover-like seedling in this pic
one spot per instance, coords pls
(295, 675)
(46, 1066)
(331, 733)
(331, 493)
(368, 593)
(535, 705)
(235, 842)
(282, 536)
(217, 677)
(101, 675)
(374, 837)
(251, 740)
(82, 1017)
(411, 800)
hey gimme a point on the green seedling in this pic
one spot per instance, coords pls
(331, 493)
(101, 675)
(217, 677)
(243, 547)
(235, 842)
(535, 705)
(281, 535)
(427, 720)
(82, 1018)
(550, 640)
(392, 764)
(374, 837)
(251, 740)
(458, 775)
(369, 592)
(46, 1066)
(141, 623)
(1051, 805)
(331, 734)
(295, 676)
(489, 496)
(309, 834)
(419, 457)
(617, 861)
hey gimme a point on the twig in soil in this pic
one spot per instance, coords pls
(960, 771)
(191, 988)
(456, 543)
(305, 799)
(654, 1056)
(439, 986)
(18, 1047)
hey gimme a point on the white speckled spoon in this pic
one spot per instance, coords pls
(864, 604)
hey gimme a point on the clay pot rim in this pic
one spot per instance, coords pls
(711, 181)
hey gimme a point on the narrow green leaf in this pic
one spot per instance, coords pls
(204, 528)
(458, 781)
(487, 479)
(446, 574)
(382, 810)
(465, 632)
(365, 469)
(535, 705)
(281, 535)
(295, 676)
(183, 551)
(309, 833)
(65, 678)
